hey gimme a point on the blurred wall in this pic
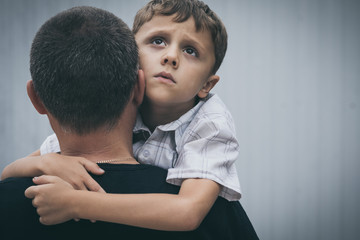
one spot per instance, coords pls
(290, 78)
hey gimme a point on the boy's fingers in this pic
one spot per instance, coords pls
(92, 185)
(45, 179)
(93, 167)
(30, 192)
(79, 186)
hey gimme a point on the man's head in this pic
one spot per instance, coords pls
(204, 17)
(84, 65)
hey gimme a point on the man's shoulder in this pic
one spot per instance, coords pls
(134, 178)
(227, 220)
(16, 182)
(12, 191)
(131, 170)
(16, 207)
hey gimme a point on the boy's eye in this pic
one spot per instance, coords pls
(191, 51)
(158, 41)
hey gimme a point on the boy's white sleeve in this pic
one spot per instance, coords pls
(50, 145)
(208, 149)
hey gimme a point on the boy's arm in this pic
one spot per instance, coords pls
(173, 212)
(71, 169)
(23, 167)
(36, 153)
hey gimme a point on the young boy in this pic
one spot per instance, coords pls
(181, 127)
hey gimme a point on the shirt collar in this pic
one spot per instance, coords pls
(186, 118)
(139, 124)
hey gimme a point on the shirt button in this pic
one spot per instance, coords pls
(146, 153)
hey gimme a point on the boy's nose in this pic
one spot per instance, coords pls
(173, 62)
(170, 58)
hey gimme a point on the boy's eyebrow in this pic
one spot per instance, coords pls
(189, 40)
(158, 32)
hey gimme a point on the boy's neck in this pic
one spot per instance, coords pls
(154, 115)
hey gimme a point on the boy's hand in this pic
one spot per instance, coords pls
(73, 170)
(52, 199)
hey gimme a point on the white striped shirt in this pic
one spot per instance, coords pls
(200, 144)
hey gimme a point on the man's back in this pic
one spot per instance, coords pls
(226, 220)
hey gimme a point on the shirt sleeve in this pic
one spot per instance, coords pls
(50, 145)
(209, 149)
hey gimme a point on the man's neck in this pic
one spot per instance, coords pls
(98, 146)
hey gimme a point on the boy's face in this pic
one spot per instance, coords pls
(177, 61)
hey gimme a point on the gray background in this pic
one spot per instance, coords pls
(290, 79)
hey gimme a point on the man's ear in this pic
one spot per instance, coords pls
(209, 84)
(139, 88)
(35, 100)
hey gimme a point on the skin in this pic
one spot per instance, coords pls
(177, 62)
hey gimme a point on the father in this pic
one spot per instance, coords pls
(84, 66)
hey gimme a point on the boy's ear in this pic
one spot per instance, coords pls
(35, 100)
(139, 89)
(209, 84)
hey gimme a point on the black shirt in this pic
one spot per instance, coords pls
(19, 220)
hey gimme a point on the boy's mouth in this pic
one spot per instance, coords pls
(166, 76)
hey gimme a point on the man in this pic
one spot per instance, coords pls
(84, 66)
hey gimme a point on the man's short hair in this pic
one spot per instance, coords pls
(84, 64)
(204, 17)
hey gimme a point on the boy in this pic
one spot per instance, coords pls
(181, 46)
(99, 128)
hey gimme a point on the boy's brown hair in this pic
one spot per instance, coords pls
(204, 17)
